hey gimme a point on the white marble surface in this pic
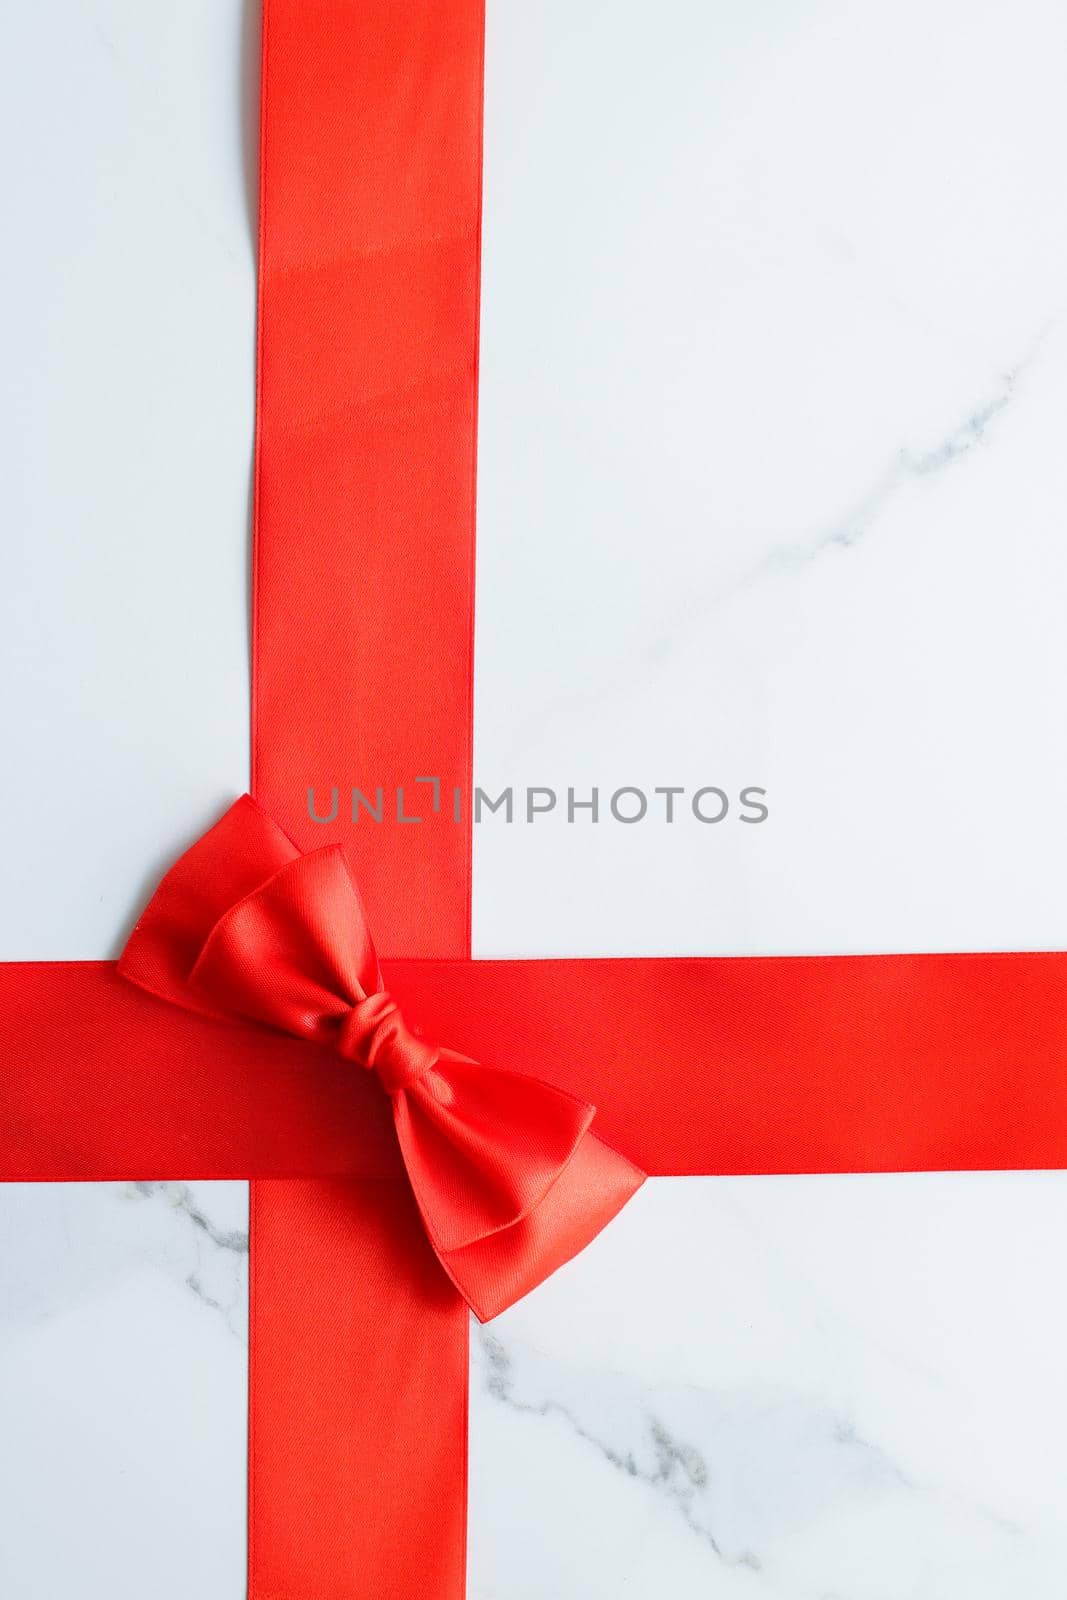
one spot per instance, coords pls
(774, 367)
(123, 1390)
(772, 490)
(128, 327)
(849, 1388)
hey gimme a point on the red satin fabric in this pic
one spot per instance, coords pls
(759, 1065)
(366, 426)
(357, 1433)
(370, 202)
(509, 1180)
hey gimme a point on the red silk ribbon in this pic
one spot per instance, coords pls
(509, 1179)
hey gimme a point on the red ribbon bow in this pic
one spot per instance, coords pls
(508, 1177)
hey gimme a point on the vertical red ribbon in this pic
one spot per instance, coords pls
(363, 610)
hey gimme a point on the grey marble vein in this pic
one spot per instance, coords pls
(791, 552)
(182, 1198)
(743, 1468)
(648, 1433)
(219, 1277)
(907, 465)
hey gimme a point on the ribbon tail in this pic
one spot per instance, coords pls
(494, 1272)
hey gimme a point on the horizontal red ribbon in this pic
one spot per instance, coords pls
(815, 1064)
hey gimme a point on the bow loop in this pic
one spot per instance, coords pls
(509, 1178)
(295, 953)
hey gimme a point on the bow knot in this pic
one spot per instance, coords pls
(374, 1034)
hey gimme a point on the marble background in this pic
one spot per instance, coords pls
(771, 490)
